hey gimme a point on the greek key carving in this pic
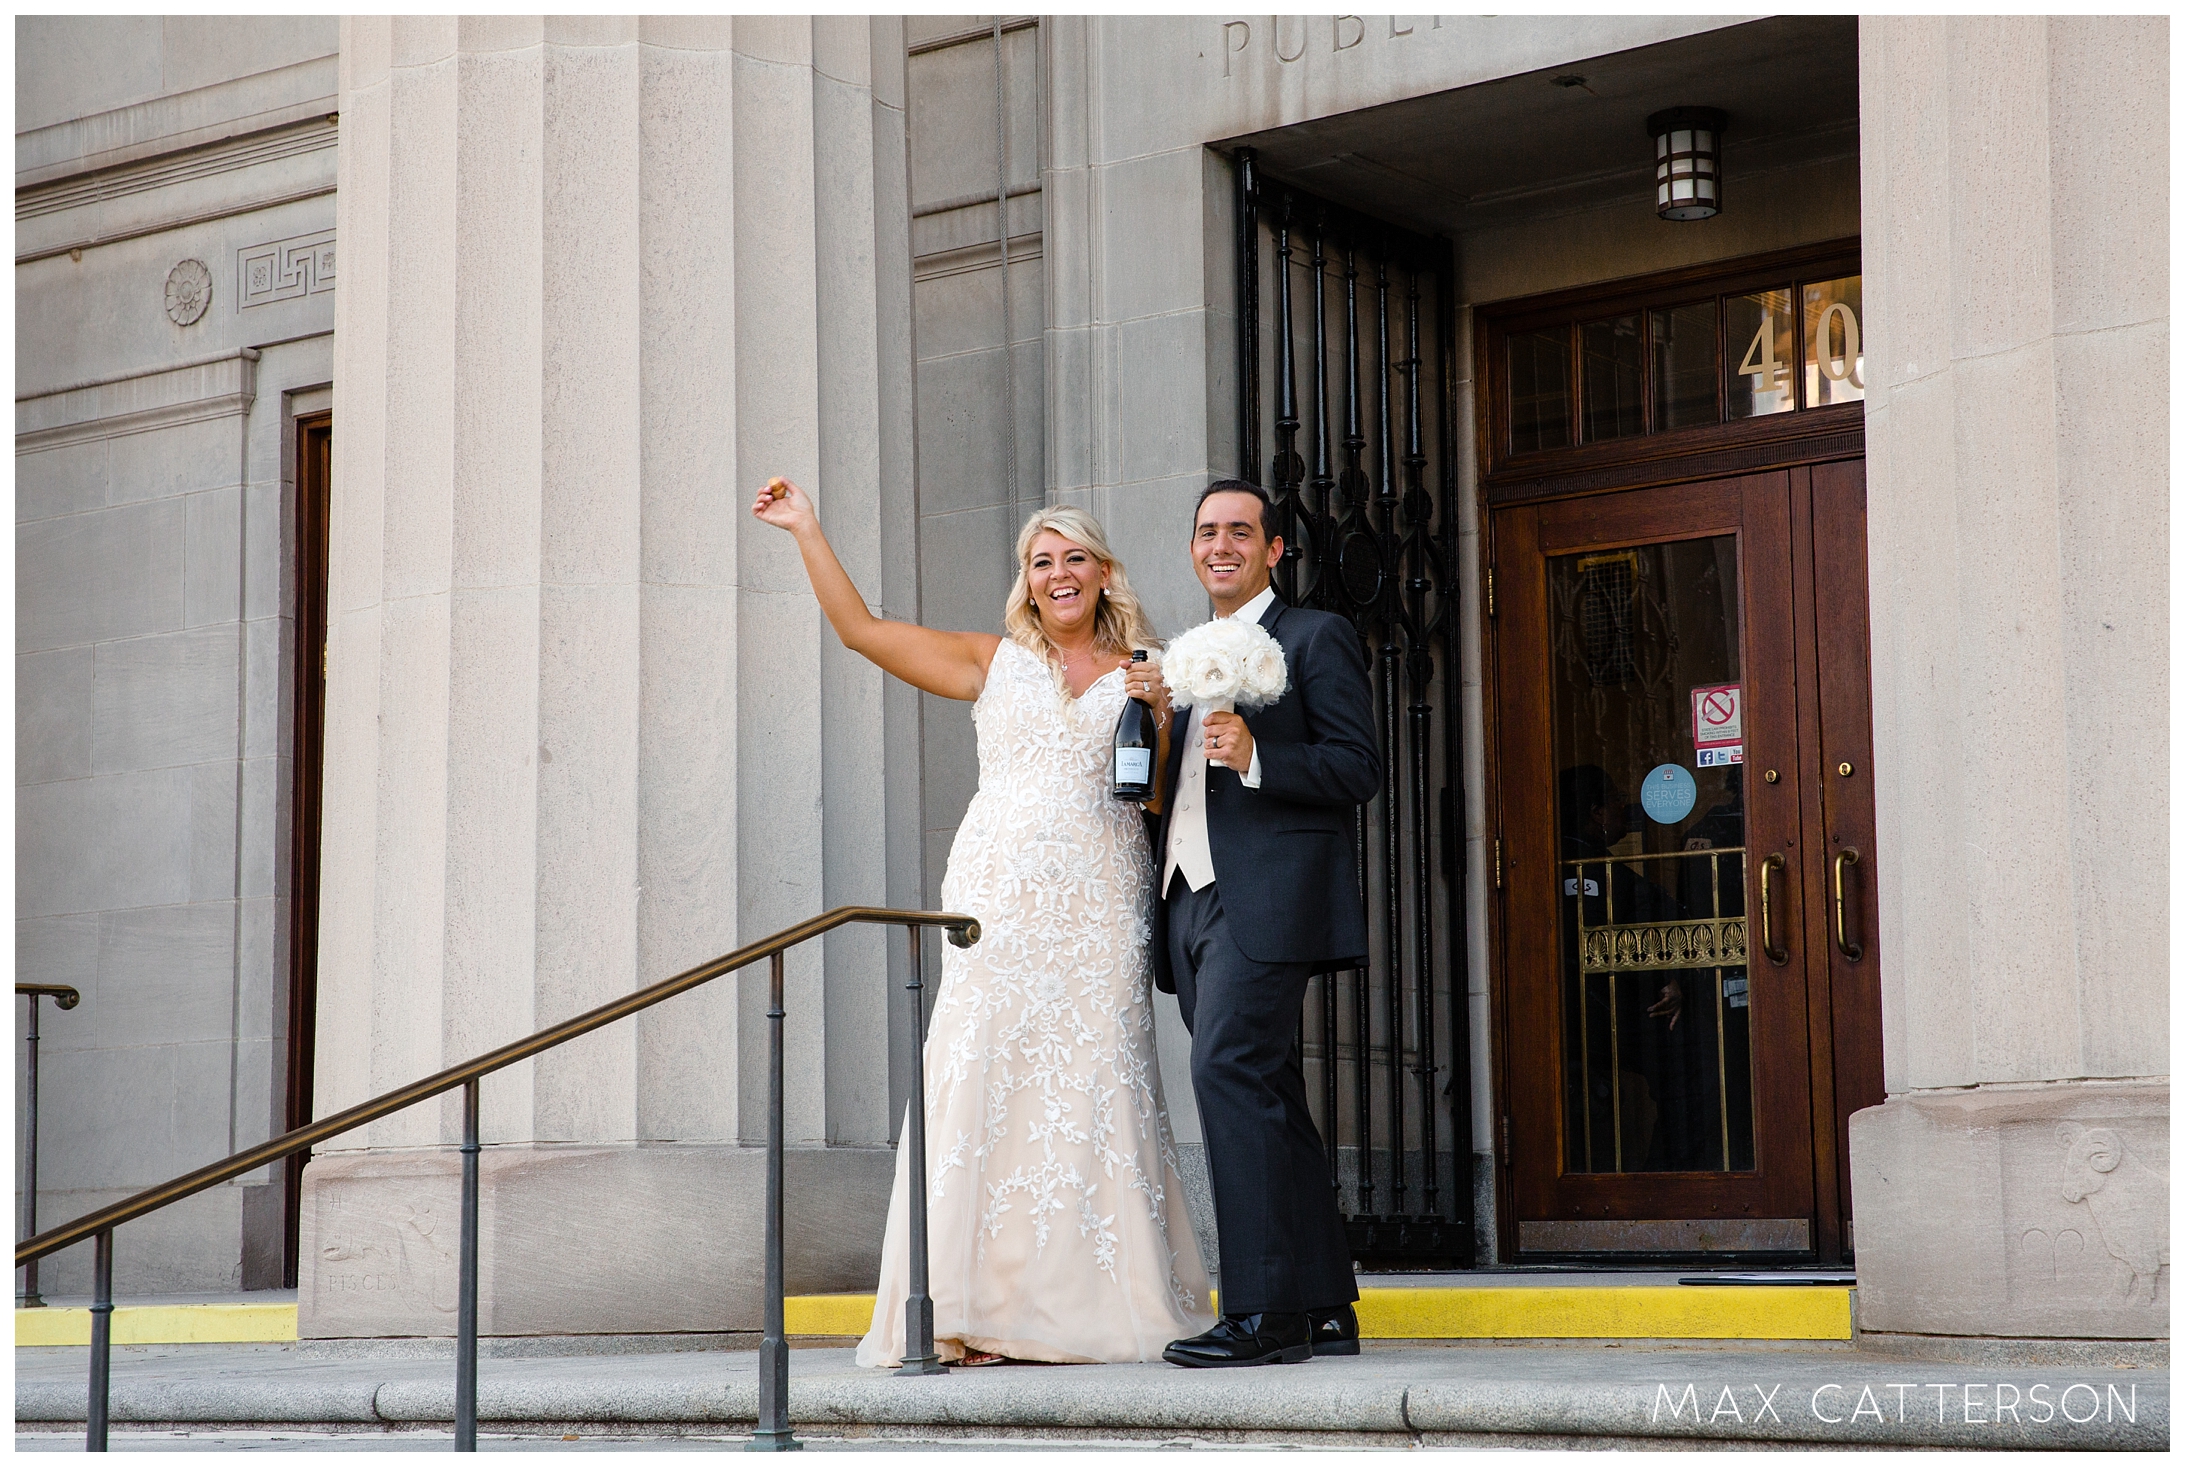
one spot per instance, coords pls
(284, 269)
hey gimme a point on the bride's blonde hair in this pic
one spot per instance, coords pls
(1120, 623)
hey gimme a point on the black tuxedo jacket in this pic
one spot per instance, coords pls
(1285, 854)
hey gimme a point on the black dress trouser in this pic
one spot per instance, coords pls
(1282, 1243)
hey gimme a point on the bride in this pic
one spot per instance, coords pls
(1057, 1228)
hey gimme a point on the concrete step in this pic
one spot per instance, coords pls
(1509, 1306)
(1389, 1395)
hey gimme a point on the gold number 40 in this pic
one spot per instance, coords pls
(1846, 367)
(1760, 363)
(1770, 375)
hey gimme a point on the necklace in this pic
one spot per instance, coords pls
(1068, 657)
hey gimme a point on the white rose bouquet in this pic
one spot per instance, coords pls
(1224, 665)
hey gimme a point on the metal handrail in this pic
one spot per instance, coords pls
(64, 997)
(773, 1432)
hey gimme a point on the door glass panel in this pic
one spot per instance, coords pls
(1757, 333)
(1610, 370)
(1540, 390)
(1646, 693)
(1835, 358)
(1687, 367)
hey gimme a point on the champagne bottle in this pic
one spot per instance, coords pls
(1136, 738)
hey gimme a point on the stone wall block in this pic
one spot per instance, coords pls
(687, 860)
(1904, 173)
(700, 34)
(53, 712)
(133, 555)
(420, 41)
(601, 32)
(2109, 169)
(213, 830)
(419, 368)
(852, 728)
(594, 702)
(480, 35)
(269, 644)
(406, 972)
(1148, 272)
(2057, 1221)
(166, 975)
(587, 849)
(690, 519)
(2010, 620)
(189, 1247)
(492, 878)
(886, 65)
(1160, 411)
(1999, 241)
(259, 867)
(133, 830)
(2114, 507)
(164, 700)
(782, 40)
(588, 605)
(348, 873)
(500, 296)
(591, 1240)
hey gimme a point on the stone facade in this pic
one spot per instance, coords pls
(174, 312)
(2016, 200)
(585, 726)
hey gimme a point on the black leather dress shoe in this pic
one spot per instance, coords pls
(1335, 1331)
(1247, 1339)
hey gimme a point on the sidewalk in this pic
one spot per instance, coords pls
(1394, 1394)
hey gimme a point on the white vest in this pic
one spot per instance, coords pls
(1188, 850)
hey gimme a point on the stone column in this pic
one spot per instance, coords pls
(2015, 175)
(585, 727)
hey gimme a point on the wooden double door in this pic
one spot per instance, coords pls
(1687, 964)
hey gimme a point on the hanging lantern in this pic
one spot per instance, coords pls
(1687, 162)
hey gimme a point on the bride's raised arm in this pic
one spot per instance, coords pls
(950, 664)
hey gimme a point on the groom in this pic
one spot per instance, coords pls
(1259, 891)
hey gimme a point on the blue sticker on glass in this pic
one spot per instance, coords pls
(1669, 794)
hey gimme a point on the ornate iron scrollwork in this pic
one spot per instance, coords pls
(1359, 316)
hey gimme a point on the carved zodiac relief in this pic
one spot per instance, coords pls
(2129, 1201)
(412, 1254)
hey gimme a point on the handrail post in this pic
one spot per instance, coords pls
(102, 1338)
(773, 1434)
(918, 1356)
(466, 1303)
(26, 1292)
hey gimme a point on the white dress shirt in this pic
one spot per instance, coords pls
(1188, 850)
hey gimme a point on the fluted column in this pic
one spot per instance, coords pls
(2015, 198)
(585, 725)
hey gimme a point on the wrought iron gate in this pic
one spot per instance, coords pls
(1359, 458)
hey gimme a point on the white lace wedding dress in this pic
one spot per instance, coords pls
(1056, 1222)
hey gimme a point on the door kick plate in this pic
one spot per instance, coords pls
(1671, 1235)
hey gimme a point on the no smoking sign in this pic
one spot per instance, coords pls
(1718, 724)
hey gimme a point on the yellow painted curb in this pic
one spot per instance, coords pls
(1664, 1312)
(1652, 1312)
(1655, 1312)
(163, 1324)
(828, 1314)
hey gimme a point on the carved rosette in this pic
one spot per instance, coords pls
(189, 292)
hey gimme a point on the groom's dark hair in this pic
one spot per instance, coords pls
(1237, 486)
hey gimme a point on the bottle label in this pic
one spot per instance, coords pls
(1133, 766)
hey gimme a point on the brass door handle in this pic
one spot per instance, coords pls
(1848, 856)
(1776, 955)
